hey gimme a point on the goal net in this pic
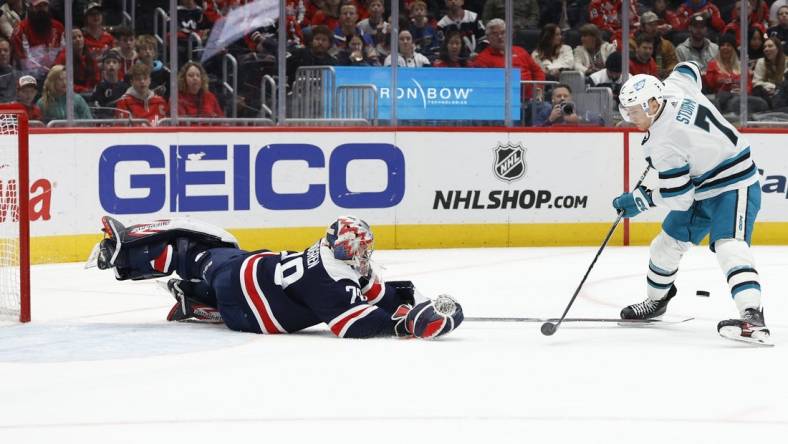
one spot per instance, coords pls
(14, 226)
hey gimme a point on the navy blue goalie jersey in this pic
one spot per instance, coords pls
(288, 291)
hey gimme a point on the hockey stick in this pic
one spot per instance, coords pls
(548, 328)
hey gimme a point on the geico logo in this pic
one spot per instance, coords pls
(134, 179)
(774, 184)
(40, 206)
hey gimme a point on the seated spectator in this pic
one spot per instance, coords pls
(328, 14)
(610, 76)
(348, 18)
(755, 46)
(493, 57)
(562, 110)
(453, 53)
(758, 12)
(53, 98)
(159, 73)
(316, 54)
(97, 40)
(86, 71)
(8, 75)
(126, 49)
(408, 57)
(774, 9)
(26, 92)
(358, 53)
(425, 38)
(780, 30)
(140, 102)
(697, 47)
(641, 60)
(38, 39)
(606, 15)
(670, 21)
(591, 54)
(191, 20)
(664, 51)
(375, 25)
(194, 97)
(735, 25)
(467, 22)
(525, 13)
(11, 14)
(769, 76)
(723, 76)
(699, 8)
(111, 87)
(723, 72)
(551, 54)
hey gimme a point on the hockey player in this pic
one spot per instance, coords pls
(262, 291)
(709, 182)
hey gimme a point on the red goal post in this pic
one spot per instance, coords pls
(14, 215)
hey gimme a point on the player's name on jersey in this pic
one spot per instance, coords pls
(505, 199)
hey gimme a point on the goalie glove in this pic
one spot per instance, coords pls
(428, 319)
(634, 203)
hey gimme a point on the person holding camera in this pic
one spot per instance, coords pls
(560, 110)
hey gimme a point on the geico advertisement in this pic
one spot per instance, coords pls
(279, 179)
(768, 153)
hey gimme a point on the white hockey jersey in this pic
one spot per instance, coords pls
(696, 152)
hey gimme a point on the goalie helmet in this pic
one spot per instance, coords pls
(637, 91)
(351, 241)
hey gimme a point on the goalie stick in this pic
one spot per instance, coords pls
(549, 328)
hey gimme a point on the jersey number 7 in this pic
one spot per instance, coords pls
(705, 116)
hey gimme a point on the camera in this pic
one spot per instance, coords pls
(567, 108)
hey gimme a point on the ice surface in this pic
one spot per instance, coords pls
(99, 364)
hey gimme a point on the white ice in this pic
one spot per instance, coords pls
(99, 364)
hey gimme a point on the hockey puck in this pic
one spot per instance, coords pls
(702, 293)
(548, 328)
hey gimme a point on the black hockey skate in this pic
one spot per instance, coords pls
(751, 328)
(186, 308)
(649, 309)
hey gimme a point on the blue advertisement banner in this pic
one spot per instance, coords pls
(438, 93)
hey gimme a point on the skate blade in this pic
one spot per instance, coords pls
(734, 334)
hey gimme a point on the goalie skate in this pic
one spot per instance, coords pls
(649, 309)
(751, 329)
(186, 309)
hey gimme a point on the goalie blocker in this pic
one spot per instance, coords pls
(332, 282)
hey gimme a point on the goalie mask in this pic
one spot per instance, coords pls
(351, 241)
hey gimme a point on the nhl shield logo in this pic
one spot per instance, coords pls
(509, 162)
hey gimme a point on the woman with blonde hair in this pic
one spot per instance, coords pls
(723, 76)
(53, 97)
(591, 54)
(194, 97)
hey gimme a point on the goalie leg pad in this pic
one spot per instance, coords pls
(736, 261)
(665, 254)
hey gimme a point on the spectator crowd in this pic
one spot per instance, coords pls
(118, 71)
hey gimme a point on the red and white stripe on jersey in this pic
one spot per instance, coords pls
(374, 291)
(340, 324)
(162, 263)
(255, 297)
